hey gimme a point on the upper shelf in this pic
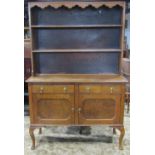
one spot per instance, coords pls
(76, 38)
(76, 26)
(77, 50)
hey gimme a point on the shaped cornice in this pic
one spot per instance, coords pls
(71, 5)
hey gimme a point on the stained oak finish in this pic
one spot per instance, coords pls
(27, 59)
(105, 89)
(89, 15)
(51, 103)
(53, 108)
(43, 88)
(76, 64)
(27, 68)
(78, 78)
(74, 100)
(99, 108)
(27, 49)
(96, 103)
(93, 25)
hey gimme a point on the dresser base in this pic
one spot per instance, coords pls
(76, 100)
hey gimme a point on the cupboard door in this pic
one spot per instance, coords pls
(99, 108)
(53, 108)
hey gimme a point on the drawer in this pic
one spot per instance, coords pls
(53, 88)
(100, 89)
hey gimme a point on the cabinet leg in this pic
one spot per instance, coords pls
(122, 133)
(40, 130)
(31, 132)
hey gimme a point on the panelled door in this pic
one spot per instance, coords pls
(53, 105)
(99, 107)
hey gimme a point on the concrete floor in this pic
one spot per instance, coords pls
(58, 141)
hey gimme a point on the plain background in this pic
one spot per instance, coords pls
(142, 43)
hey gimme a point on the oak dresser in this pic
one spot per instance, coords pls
(76, 64)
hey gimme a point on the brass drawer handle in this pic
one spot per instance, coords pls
(65, 89)
(79, 110)
(111, 90)
(41, 90)
(88, 89)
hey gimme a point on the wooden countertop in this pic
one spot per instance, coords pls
(77, 78)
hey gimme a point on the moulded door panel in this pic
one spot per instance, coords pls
(99, 108)
(53, 108)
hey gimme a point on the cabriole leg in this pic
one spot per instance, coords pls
(122, 133)
(31, 132)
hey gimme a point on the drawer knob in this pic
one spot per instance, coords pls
(41, 90)
(72, 109)
(65, 89)
(79, 110)
(88, 89)
(111, 90)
